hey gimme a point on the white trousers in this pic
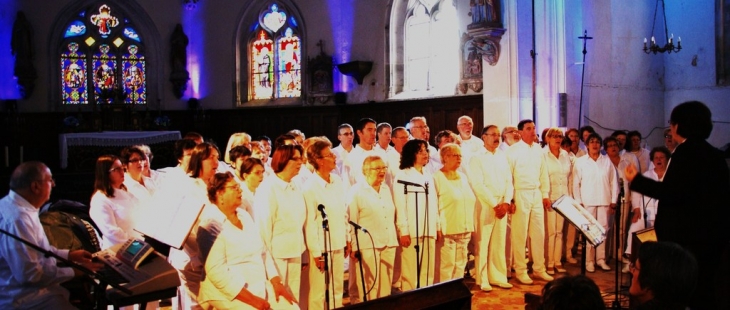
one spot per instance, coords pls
(601, 215)
(529, 218)
(290, 272)
(408, 263)
(490, 243)
(282, 304)
(451, 256)
(187, 292)
(554, 242)
(315, 287)
(379, 280)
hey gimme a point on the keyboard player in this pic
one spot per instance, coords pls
(28, 279)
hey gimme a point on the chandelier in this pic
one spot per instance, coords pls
(669, 46)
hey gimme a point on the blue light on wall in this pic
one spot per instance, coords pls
(8, 83)
(342, 16)
(193, 25)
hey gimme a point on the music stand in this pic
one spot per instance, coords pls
(585, 223)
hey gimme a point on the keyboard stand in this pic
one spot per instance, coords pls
(141, 299)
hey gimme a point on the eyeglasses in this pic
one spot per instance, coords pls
(556, 136)
(137, 160)
(330, 155)
(379, 168)
(667, 136)
(346, 134)
(466, 124)
(115, 169)
(234, 187)
(52, 180)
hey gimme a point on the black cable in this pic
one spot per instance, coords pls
(611, 129)
(377, 262)
(331, 270)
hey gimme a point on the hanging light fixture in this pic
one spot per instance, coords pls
(669, 47)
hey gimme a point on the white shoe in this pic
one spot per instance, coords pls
(543, 275)
(560, 269)
(603, 265)
(486, 287)
(524, 278)
(590, 267)
(571, 260)
(504, 285)
(626, 268)
(551, 270)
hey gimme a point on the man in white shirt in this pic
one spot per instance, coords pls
(491, 180)
(345, 135)
(352, 167)
(510, 135)
(469, 143)
(28, 279)
(532, 189)
(419, 130)
(383, 131)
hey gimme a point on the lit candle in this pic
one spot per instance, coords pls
(21, 154)
(652, 40)
(679, 40)
(644, 43)
(7, 161)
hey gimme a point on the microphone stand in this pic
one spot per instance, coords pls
(416, 246)
(89, 272)
(617, 235)
(362, 274)
(326, 229)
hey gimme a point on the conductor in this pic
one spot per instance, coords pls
(693, 200)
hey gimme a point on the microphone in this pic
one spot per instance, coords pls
(358, 226)
(409, 183)
(321, 210)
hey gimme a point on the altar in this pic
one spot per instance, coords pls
(82, 147)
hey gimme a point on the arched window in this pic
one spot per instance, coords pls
(424, 48)
(275, 56)
(102, 59)
(270, 54)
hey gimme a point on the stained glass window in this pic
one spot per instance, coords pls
(103, 54)
(134, 76)
(275, 56)
(289, 69)
(73, 79)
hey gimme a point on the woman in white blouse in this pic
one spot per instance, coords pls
(193, 188)
(252, 174)
(595, 187)
(456, 202)
(135, 161)
(112, 207)
(417, 215)
(641, 204)
(633, 145)
(559, 165)
(239, 271)
(280, 213)
(372, 207)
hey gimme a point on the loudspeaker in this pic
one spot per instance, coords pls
(563, 109)
(448, 295)
(638, 238)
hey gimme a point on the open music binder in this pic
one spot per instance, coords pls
(578, 216)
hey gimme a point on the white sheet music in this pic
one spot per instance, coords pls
(171, 214)
(576, 214)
